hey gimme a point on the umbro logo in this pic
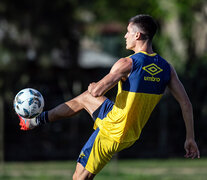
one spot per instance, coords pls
(152, 69)
(81, 155)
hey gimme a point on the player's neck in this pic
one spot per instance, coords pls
(145, 47)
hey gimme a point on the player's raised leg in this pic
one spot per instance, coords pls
(84, 101)
(65, 110)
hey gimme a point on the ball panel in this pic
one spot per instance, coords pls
(26, 112)
(18, 98)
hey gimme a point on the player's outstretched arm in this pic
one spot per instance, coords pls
(120, 70)
(181, 96)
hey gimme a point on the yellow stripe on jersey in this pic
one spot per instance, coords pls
(153, 54)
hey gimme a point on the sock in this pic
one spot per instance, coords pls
(42, 118)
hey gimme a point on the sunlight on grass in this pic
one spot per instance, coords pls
(168, 169)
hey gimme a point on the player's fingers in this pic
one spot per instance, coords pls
(198, 154)
(187, 156)
(194, 154)
(190, 154)
(187, 153)
(89, 88)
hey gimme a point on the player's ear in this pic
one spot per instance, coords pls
(138, 35)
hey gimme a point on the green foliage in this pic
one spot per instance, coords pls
(31, 30)
(39, 27)
(180, 12)
(124, 9)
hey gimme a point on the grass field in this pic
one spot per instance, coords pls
(169, 169)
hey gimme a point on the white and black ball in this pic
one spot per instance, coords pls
(28, 103)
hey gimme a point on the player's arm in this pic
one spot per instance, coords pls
(119, 70)
(181, 96)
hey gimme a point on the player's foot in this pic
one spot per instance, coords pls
(28, 124)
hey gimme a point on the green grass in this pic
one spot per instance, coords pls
(169, 169)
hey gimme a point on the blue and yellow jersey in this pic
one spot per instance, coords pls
(136, 98)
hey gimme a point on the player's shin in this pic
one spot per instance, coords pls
(64, 110)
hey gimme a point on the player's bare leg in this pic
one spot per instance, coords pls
(84, 101)
(65, 110)
(82, 174)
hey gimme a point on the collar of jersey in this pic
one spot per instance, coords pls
(153, 54)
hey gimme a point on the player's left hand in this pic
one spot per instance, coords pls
(191, 149)
(92, 89)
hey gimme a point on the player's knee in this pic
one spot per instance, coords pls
(83, 176)
(82, 95)
(85, 94)
(82, 99)
(75, 176)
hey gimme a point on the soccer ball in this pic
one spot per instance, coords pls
(28, 103)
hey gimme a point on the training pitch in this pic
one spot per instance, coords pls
(165, 169)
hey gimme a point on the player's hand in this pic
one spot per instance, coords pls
(191, 149)
(92, 89)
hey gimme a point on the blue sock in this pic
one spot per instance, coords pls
(42, 118)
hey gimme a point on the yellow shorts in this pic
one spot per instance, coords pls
(98, 151)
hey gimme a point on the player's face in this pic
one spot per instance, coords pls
(130, 37)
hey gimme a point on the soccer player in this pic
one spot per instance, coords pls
(142, 79)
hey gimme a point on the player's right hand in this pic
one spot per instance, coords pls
(191, 149)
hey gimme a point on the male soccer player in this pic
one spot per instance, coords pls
(142, 79)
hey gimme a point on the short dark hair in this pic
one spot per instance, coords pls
(146, 24)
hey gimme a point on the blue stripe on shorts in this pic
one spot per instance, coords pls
(101, 113)
(86, 150)
(103, 110)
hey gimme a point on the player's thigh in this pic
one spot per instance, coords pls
(89, 102)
